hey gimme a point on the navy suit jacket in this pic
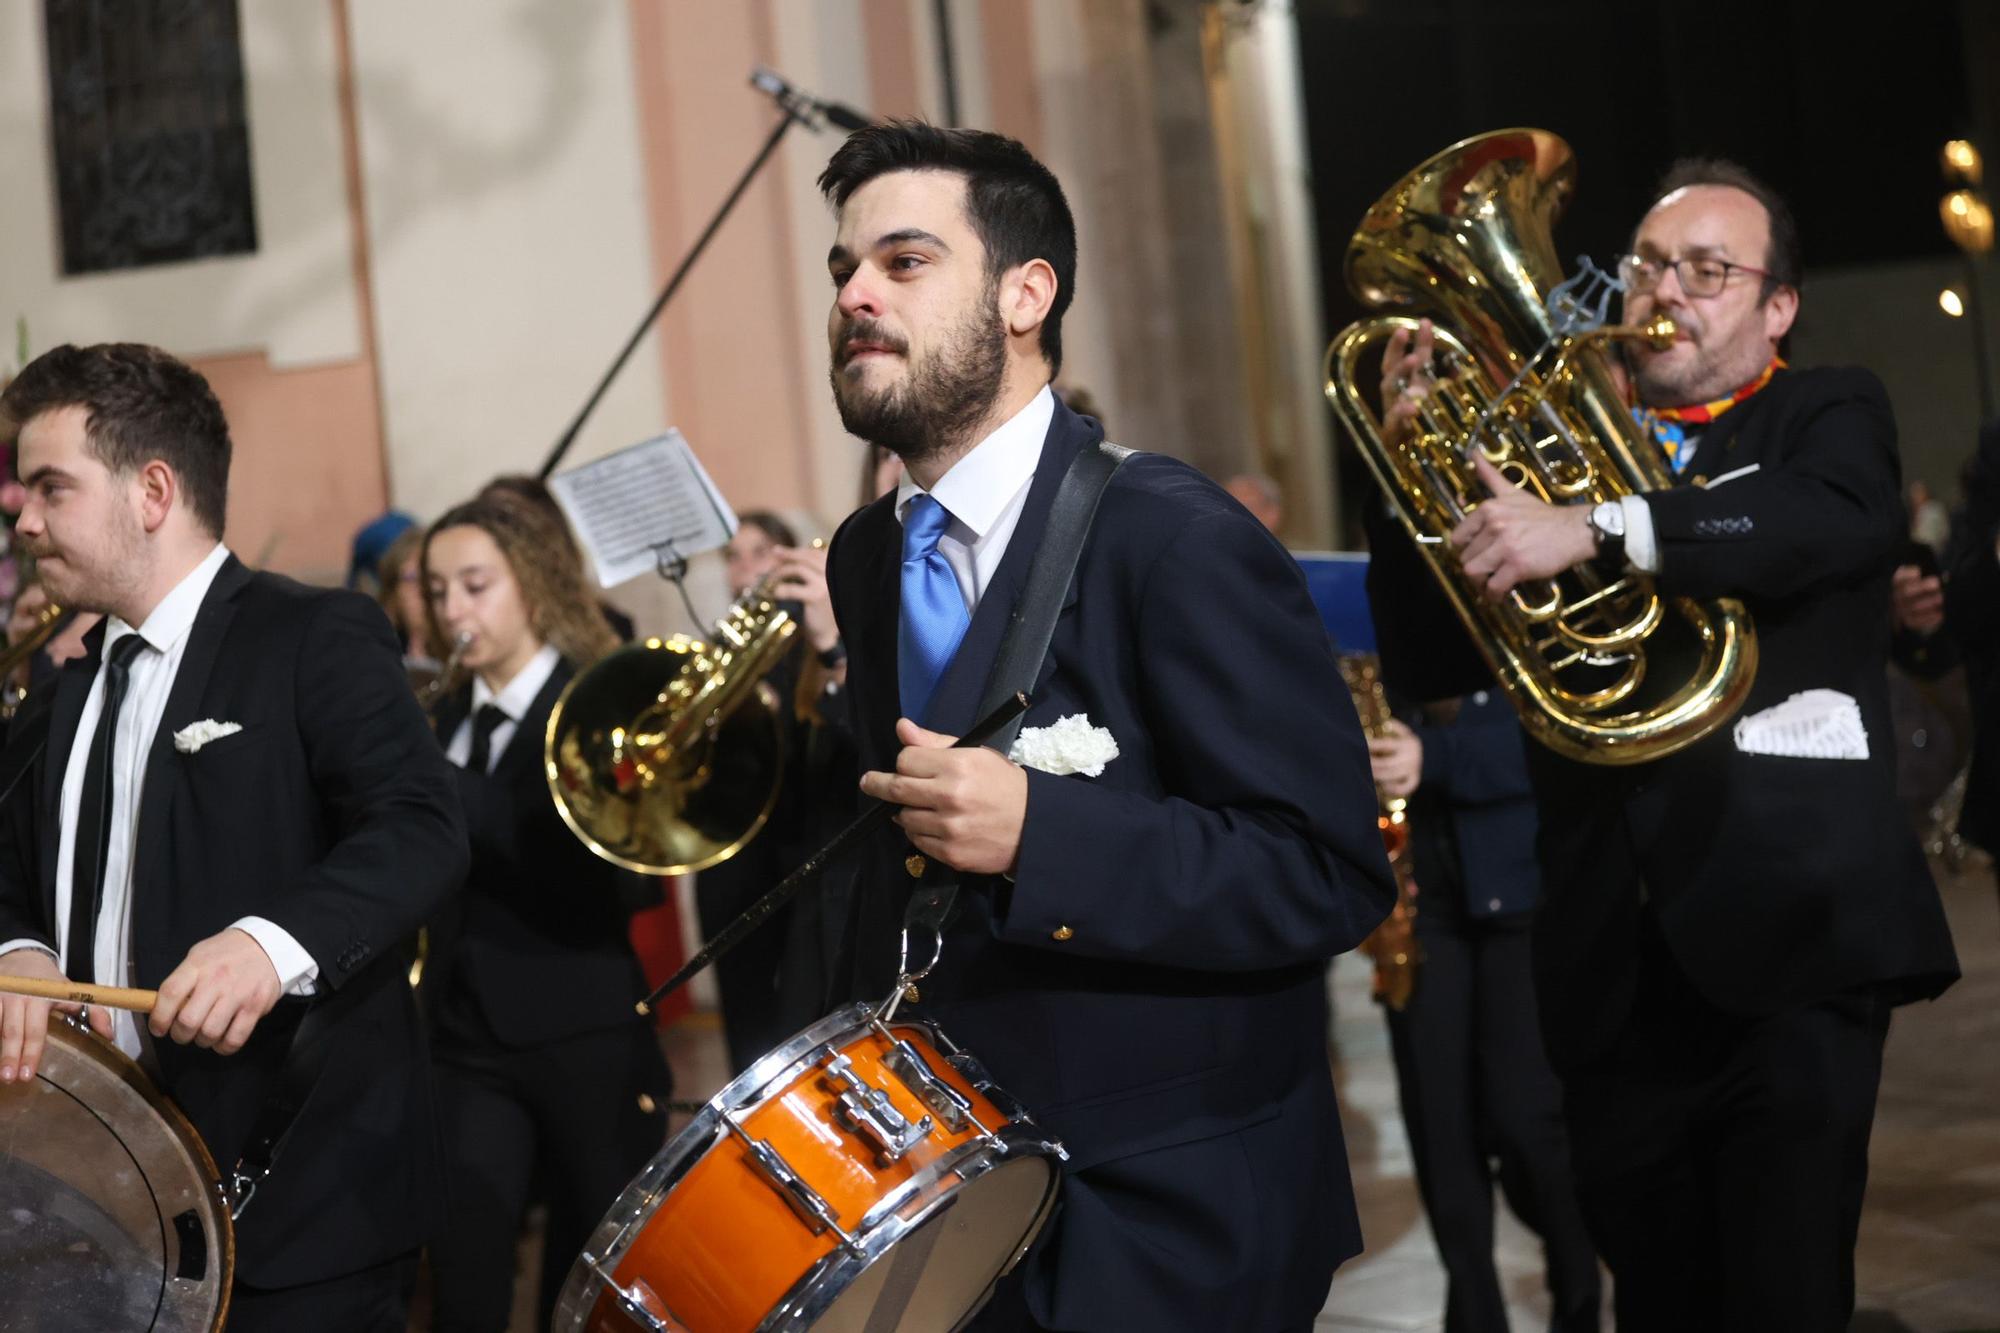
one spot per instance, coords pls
(1475, 778)
(1151, 984)
(331, 812)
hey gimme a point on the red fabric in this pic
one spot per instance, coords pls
(656, 938)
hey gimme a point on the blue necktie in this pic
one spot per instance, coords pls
(933, 618)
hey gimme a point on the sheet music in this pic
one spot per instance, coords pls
(626, 505)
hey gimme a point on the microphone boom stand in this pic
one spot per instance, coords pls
(562, 445)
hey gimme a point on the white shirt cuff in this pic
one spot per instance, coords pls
(1642, 547)
(26, 943)
(297, 972)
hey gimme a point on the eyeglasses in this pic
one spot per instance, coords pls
(1698, 277)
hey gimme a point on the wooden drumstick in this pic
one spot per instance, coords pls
(78, 992)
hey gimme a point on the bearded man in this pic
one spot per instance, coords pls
(1724, 931)
(1138, 955)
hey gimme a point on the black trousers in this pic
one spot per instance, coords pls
(374, 1300)
(566, 1116)
(1722, 1159)
(1476, 1086)
(747, 977)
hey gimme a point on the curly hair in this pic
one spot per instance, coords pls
(562, 610)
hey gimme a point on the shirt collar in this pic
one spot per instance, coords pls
(174, 616)
(977, 488)
(519, 694)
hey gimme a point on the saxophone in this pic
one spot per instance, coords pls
(1393, 945)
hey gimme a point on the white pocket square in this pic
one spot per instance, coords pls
(197, 734)
(1067, 745)
(1813, 724)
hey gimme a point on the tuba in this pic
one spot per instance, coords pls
(1601, 667)
(666, 756)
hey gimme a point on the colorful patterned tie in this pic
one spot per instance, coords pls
(933, 617)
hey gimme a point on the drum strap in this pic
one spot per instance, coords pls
(290, 1088)
(1032, 627)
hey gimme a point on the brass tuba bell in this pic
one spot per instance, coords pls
(1602, 668)
(666, 756)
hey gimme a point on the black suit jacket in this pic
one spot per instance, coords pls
(1972, 618)
(1775, 881)
(1150, 986)
(331, 814)
(537, 945)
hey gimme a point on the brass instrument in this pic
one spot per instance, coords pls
(666, 756)
(1465, 239)
(431, 686)
(1393, 944)
(48, 623)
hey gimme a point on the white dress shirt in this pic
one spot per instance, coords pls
(150, 680)
(984, 492)
(513, 701)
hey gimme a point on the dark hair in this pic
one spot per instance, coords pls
(770, 525)
(1013, 202)
(141, 404)
(1781, 260)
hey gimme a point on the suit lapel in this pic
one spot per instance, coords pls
(1716, 455)
(879, 603)
(958, 694)
(524, 747)
(211, 625)
(72, 689)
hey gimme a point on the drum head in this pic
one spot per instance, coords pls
(936, 1276)
(109, 1213)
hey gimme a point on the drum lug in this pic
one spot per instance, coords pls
(806, 1201)
(952, 1107)
(639, 1301)
(866, 1110)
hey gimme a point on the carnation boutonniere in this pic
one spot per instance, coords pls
(197, 734)
(1068, 745)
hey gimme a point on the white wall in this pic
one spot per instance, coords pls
(294, 297)
(507, 230)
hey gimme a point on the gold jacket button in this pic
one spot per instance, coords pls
(1700, 480)
(1061, 933)
(916, 865)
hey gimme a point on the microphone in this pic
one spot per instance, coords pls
(815, 111)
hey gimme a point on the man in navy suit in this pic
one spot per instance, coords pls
(1138, 949)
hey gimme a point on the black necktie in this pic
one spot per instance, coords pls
(484, 721)
(93, 815)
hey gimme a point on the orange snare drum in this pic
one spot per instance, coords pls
(864, 1175)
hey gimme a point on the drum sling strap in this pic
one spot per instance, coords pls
(1031, 628)
(291, 1085)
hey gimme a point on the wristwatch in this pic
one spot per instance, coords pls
(1607, 526)
(834, 656)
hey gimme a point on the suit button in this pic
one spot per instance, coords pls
(916, 865)
(1493, 904)
(1061, 933)
(1479, 697)
(1700, 480)
(647, 1105)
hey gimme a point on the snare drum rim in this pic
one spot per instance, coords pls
(826, 1281)
(87, 1045)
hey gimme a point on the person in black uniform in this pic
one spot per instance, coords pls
(544, 1070)
(774, 982)
(1724, 931)
(1471, 1071)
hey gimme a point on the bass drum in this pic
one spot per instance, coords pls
(111, 1211)
(865, 1177)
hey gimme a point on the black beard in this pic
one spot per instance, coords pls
(942, 400)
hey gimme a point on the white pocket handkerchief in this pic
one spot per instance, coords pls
(1067, 745)
(197, 734)
(1814, 724)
